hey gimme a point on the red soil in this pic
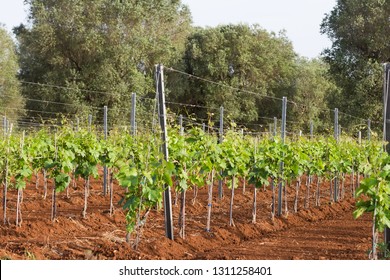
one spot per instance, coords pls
(325, 232)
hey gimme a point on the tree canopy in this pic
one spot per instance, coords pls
(312, 89)
(98, 51)
(360, 34)
(11, 102)
(248, 70)
(78, 55)
(250, 67)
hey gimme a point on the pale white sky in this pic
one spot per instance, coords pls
(12, 13)
(300, 18)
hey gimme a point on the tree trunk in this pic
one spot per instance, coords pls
(88, 184)
(182, 212)
(74, 184)
(254, 211)
(307, 198)
(231, 222)
(297, 187)
(53, 204)
(44, 183)
(210, 201)
(176, 198)
(342, 191)
(374, 232)
(331, 190)
(273, 199)
(182, 216)
(285, 198)
(67, 191)
(36, 180)
(357, 184)
(141, 221)
(111, 193)
(86, 193)
(18, 221)
(318, 202)
(195, 196)
(5, 191)
(5, 185)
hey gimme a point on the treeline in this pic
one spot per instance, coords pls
(100, 51)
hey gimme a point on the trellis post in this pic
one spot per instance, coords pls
(164, 148)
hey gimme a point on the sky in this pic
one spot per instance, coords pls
(300, 19)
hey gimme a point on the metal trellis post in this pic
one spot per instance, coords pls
(336, 136)
(386, 127)
(283, 135)
(164, 148)
(105, 170)
(220, 185)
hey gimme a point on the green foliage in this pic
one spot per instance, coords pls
(375, 196)
(360, 33)
(19, 162)
(145, 175)
(359, 29)
(139, 167)
(312, 88)
(87, 150)
(236, 155)
(95, 46)
(10, 99)
(60, 162)
(244, 57)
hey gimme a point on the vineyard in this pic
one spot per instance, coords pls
(254, 150)
(62, 170)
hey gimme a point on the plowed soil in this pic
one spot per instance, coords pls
(323, 232)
